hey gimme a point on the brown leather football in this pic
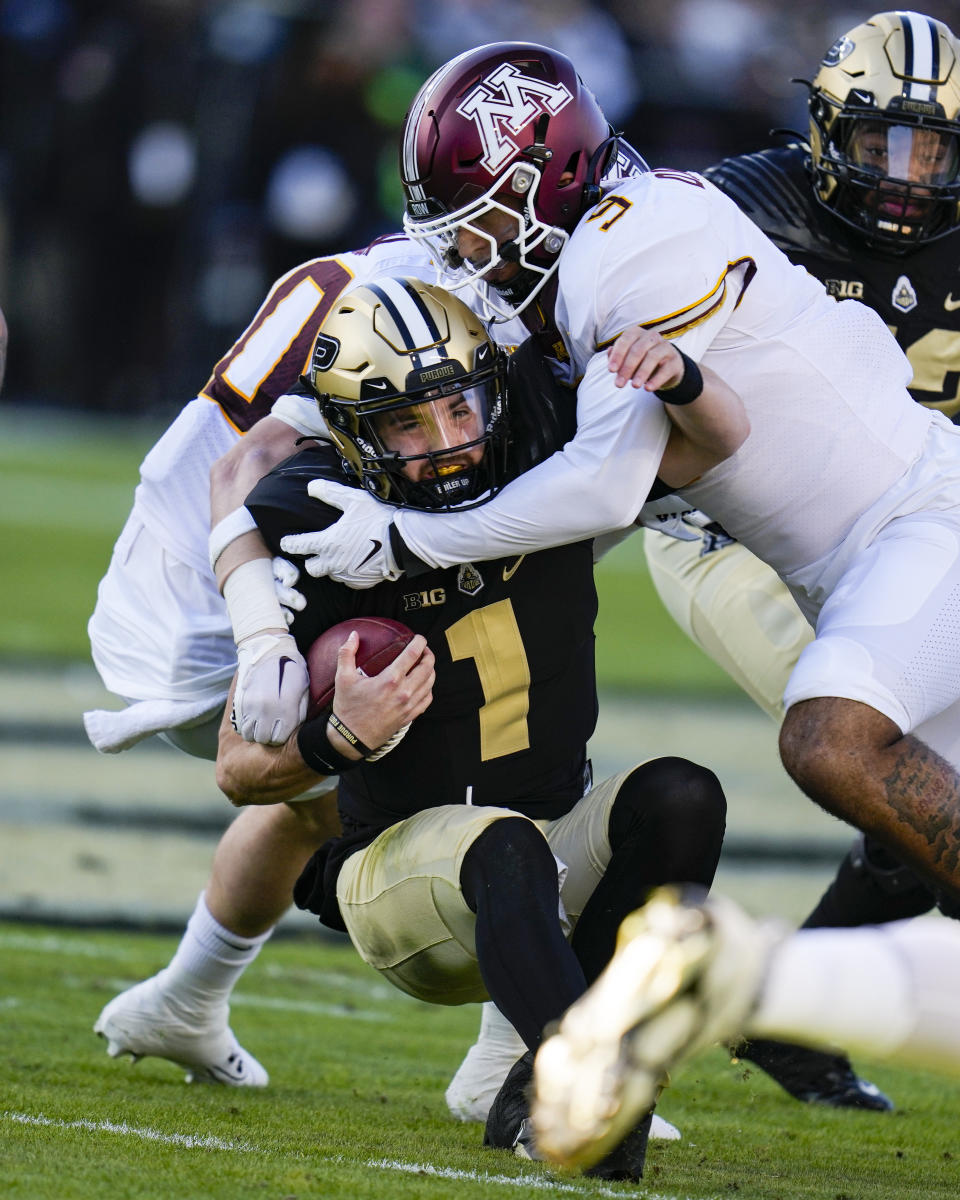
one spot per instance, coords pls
(381, 640)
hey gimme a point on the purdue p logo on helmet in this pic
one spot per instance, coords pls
(412, 390)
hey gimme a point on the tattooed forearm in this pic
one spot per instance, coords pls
(922, 794)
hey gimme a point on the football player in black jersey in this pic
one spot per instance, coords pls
(446, 872)
(871, 206)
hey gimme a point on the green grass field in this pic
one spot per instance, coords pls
(66, 486)
(355, 1107)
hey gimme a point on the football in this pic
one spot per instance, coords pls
(381, 640)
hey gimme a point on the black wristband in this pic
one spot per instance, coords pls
(689, 387)
(348, 735)
(316, 751)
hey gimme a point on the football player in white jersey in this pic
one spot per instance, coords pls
(848, 489)
(869, 204)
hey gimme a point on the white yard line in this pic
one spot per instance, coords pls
(193, 1141)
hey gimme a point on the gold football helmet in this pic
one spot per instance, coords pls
(885, 129)
(412, 390)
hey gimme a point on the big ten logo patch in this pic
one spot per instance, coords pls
(845, 289)
(414, 601)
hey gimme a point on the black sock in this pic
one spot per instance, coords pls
(509, 879)
(666, 826)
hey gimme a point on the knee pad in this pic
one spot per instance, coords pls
(680, 791)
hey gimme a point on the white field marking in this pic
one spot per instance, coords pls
(308, 1006)
(49, 943)
(53, 944)
(349, 983)
(191, 1141)
(541, 1182)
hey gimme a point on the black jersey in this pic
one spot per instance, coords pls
(515, 696)
(917, 294)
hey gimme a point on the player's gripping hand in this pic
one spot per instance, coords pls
(378, 707)
(355, 549)
(270, 699)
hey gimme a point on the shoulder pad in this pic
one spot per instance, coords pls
(773, 188)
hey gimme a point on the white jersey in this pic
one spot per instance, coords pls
(173, 497)
(832, 425)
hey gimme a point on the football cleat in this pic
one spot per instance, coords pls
(143, 1022)
(686, 973)
(480, 1076)
(814, 1076)
(509, 1127)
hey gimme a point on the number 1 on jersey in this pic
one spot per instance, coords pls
(491, 637)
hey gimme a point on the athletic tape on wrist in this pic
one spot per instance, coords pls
(251, 598)
(235, 524)
(688, 389)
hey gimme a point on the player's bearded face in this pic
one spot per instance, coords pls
(479, 242)
(904, 152)
(435, 435)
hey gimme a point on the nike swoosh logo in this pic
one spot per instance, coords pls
(375, 550)
(509, 572)
(283, 666)
(377, 385)
(950, 304)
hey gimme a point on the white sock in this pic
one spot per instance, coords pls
(495, 1027)
(208, 962)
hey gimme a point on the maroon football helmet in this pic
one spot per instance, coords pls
(496, 129)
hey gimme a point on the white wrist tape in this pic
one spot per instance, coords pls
(252, 599)
(233, 525)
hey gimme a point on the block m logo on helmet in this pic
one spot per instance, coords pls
(503, 103)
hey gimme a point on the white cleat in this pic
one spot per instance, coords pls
(686, 973)
(143, 1022)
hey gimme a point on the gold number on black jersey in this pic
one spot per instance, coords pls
(934, 358)
(491, 637)
(620, 203)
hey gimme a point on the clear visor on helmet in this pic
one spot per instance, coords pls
(438, 428)
(905, 153)
(496, 224)
(434, 450)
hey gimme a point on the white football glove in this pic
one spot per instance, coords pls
(285, 576)
(354, 550)
(270, 699)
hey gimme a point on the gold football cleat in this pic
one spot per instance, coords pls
(685, 973)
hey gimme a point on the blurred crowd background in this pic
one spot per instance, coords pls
(162, 161)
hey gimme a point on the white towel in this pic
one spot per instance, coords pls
(111, 732)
